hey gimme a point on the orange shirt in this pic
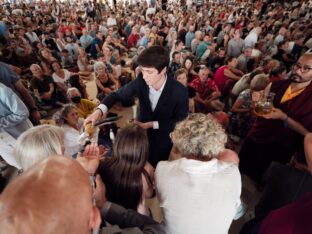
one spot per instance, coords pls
(289, 94)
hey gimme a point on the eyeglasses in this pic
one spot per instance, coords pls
(303, 68)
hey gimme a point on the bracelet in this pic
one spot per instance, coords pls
(100, 110)
(286, 122)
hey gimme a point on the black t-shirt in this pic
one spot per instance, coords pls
(191, 92)
(42, 85)
(214, 63)
(296, 51)
(51, 44)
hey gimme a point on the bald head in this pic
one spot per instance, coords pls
(54, 196)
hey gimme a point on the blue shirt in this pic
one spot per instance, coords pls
(188, 39)
(201, 49)
(128, 30)
(7, 76)
(143, 42)
(3, 29)
(93, 51)
(13, 113)
(85, 41)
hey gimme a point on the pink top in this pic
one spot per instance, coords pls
(220, 78)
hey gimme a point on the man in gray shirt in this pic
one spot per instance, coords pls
(235, 45)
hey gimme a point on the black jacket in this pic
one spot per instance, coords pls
(172, 107)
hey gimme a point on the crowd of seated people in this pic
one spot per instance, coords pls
(247, 69)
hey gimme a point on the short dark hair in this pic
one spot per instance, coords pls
(154, 57)
(178, 42)
(174, 54)
(278, 70)
(229, 59)
(280, 44)
(51, 65)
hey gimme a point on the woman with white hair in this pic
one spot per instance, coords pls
(199, 193)
(44, 87)
(241, 119)
(104, 82)
(196, 41)
(84, 106)
(171, 38)
(68, 119)
(38, 143)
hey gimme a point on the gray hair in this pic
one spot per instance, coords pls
(247, 48)
(70, 90)
(199, 135)
(35, 65)
(197, 33)
(38, 143)
(61, 115)
(98, 65)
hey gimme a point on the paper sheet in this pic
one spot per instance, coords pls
(7, 143)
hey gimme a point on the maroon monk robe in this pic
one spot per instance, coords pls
(294, 218)
(270, 140)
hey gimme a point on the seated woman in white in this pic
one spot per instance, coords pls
(60, 76)
(68, 119)
(199, 193)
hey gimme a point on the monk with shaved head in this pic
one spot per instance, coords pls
(278, 135)
(56, 196)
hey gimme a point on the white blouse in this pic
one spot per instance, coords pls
(58, 79)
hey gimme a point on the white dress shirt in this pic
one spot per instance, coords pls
(32, 37)
(153, 96)
(251, 39)
(111, 22)
(73, 49)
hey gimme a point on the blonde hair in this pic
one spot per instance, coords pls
(35, 65)
(38, 143)
(259, 82)
(179, 72)
(199, 135)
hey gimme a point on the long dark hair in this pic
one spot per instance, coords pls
(122, 174)
(192, 60)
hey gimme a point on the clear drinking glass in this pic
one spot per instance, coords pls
(265, 103)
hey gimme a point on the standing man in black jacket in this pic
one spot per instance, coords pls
(163, 101)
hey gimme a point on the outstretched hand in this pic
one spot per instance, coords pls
(145, 125)
(90, 158)
(275, 114)
(95, 116)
